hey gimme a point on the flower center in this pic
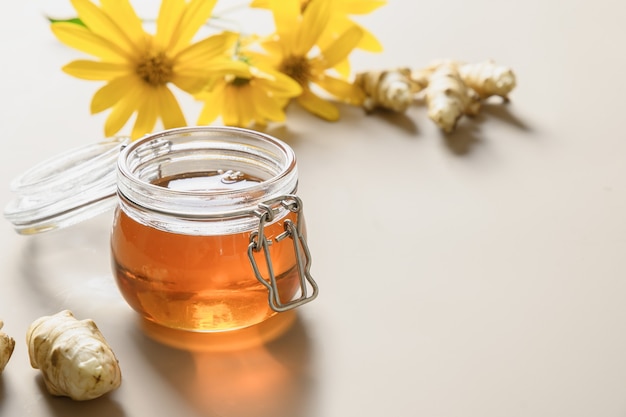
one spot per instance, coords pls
(235, 81)
(303, 5)
(155, 69)
(240, 82)
(298, 68)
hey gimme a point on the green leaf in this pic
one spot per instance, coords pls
(74, 20)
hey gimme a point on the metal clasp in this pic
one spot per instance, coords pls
(259, 242)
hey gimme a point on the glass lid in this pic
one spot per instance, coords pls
(66, 189)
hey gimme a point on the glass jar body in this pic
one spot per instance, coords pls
(187, 216)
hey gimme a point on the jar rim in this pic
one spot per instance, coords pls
(142, 162)
(125, 155)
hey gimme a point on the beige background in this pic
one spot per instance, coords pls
(479, 275)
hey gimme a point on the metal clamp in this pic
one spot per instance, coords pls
(259, 242)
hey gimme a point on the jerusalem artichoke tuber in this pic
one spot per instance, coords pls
(6, 348)
(390, 89)
(448, 98)
(73, 356)
(421, 77)
(450, 88)
(488, 79)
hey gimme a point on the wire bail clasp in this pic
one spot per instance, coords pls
(259, 242)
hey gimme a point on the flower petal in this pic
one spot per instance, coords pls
(198, 53)
(169, 109)
(112, 93)
(126, 18)
(193, 79)
(194, 16)
(359, 6)
(227, 66)
(123, 110)
(102, 24)
(262, 4)
(272, 58)
(230, 116)
(191, 83)
(169, 15)
(314, 21)
(146, 117)
(245, 105)
(81, 38)
(268, 107)
(343, 90)
(369, 42)
(95, 70)
(339, 50)
(318, 106)
(278, 84)
(213, 101)
(343, 68)
(286, 15)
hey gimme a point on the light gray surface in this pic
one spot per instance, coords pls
(486, 284)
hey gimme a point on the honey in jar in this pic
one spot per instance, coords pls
(200, 282)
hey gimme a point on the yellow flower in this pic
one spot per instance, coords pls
(258, 98)
(340, 19)
(339, 22)
(139, 67)
(296, 36)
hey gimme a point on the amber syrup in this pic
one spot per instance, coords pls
(199, 283)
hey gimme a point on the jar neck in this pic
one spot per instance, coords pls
(226, 173)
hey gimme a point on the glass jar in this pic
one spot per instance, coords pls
(208, 234)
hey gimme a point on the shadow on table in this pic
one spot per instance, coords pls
(502, 111)
(261, 374)
(104, 406)
(467, 133)
(463, 139)
(400, 120)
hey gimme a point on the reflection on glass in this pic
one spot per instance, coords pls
(70, 269)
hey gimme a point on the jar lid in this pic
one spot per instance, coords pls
(66, 189)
